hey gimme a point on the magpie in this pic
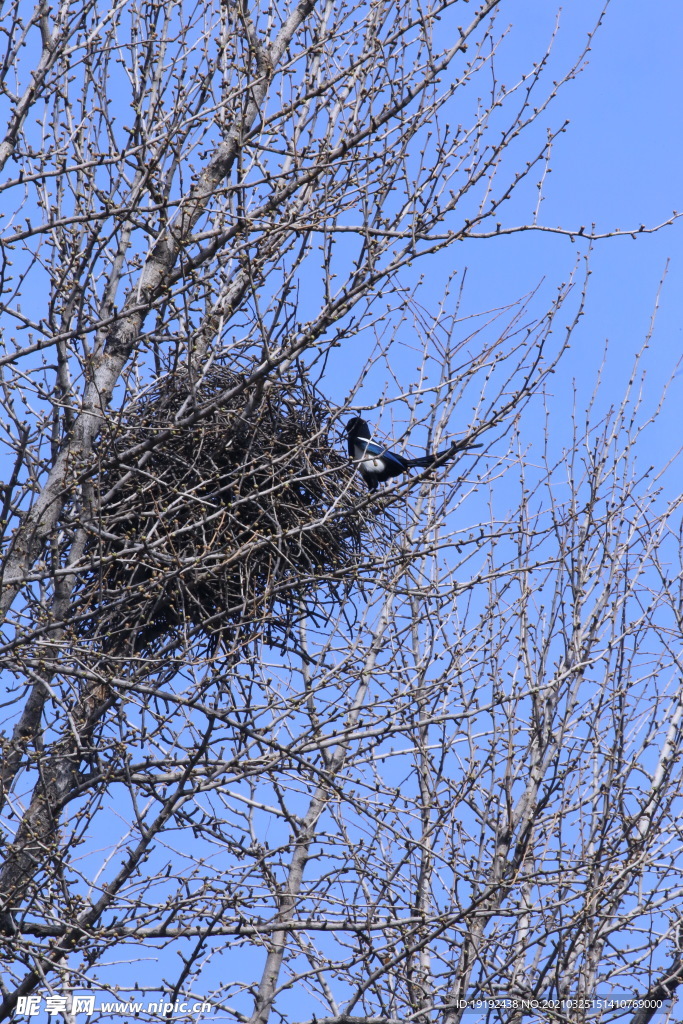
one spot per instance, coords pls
(375, 462)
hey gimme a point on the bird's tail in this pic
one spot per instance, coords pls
(423, 461)
(427, 460)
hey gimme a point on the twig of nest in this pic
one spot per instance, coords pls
(231, 522)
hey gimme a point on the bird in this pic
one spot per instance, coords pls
(376, 462)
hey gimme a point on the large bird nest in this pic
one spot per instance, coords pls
(225, 512)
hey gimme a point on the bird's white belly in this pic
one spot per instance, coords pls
(373, 463)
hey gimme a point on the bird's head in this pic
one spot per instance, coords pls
(358, 427)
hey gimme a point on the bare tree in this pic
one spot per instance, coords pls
(304, 751)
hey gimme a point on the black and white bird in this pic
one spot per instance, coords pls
(376, 462)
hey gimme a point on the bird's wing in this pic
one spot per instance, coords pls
(372, 448)
(378, 451)
(392, 459)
